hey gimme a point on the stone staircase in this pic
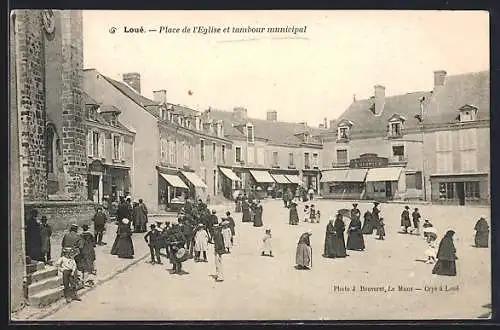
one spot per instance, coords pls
(43, 285)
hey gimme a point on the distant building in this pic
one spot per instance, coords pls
(399, 147)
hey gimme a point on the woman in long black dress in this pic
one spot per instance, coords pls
(245, 207)
(293, 218)
(336, 238)
(368, 224)
(482, 233)
(446, 255)
(355, 240)
(329, 250)
(375, 216)
(125, 247)
(257, 222)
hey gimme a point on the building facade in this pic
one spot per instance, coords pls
(413, 146)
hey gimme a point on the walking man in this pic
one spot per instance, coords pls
(153, 240)
(219, 250)
(99, 220)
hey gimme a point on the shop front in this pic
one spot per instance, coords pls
(95, 178)
(310, 179)
(230, 183)
(197, 188)
(343, 183)
(172, 192)
(460, 189)
(262, 181)
(385, 183)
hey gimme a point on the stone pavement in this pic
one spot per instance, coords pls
(107, 265)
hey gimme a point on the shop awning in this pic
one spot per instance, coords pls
(280, 178)
(356, 175)
(174, 180)
(262, 176)
(383, 174)
(229, 174)
(194, 179)
(293, 178)
(334, 176)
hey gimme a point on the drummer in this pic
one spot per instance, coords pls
(175, 240)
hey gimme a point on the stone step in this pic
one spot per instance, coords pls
(46, 297)
(39, 275)
(45, 284)
(34, 266)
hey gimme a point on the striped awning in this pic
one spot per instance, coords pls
(229, 174)
(280, 178)
(384, 174)
(356, 175)
(194, 179)
(174, 180)
(262, 176)
(334, 176)
(293, 178)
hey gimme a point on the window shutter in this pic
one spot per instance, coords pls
(122, 148)
(102, 141)
(90, 143)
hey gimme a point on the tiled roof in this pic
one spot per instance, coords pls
(89, 100)
(364, 121)
(274, 131)
(99, 118)
(459, 90)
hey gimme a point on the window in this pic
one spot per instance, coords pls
(342, 156)
(202, 150)
(163, 150)
(446, 190)
(398, 153)
(203, 175)
(117, 147)
(172, 153)
(95, 144)
(214, 152)
(414, 180)
(90, 113)
(290, 159)
(343, 133)
(260, 156)
(114, 119)
(275, 158)
(467, 144)
(187, 153)
(250, 155)
(444, 156)
(395, 129)
(237, 154)
(250, 134)
(315, 160)
(307, 163)
(197, 123)
(472, 190)
(467, 113)
(466, 116)
(223, 153)
(170, 115)
(163, 113)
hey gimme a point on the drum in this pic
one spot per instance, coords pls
(182, 255)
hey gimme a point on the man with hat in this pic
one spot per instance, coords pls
(405, 219)
(72, 240)
(416, 221)
(219, 250)
(176, 241)
(355, 212)
(152, 238)
(376, 215)
(99, 219)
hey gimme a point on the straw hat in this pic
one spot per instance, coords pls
(125, 221)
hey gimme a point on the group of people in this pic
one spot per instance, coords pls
(137, 212)
(38, 233)
(251, 208)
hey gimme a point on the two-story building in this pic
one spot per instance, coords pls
(110, 147)
(457, 139)
(375, 151)
(424, 145)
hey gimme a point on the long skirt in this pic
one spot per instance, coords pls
(368, 227)
(481, 239)
(445, 267)
(355, 240)
(114, 248)
(247, 217)
(257, 222)
(226, 236)
(237, 208)
(293, 217)
(303, 255)
(125, 247)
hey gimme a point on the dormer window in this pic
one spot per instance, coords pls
(395, 128)
(344, 130)
(114, 119)
(198, 123)
(170, 115)
(163, 114)
(467, 113)
(250, 134)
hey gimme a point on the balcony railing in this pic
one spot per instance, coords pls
(342, 163)
(395, 135)
(399, 159)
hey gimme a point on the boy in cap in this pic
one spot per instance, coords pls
(416, 221)
(152, 238)
(67, 267)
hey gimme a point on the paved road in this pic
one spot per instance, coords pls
(266, 288)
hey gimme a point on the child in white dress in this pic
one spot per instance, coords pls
(267, 249)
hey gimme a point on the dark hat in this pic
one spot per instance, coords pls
(213, 212)
(376, 203)
(354, 204)
(407, 207)
(85, 227)
(228, 213)
(44, 218)
(73, 226)
(152, 226)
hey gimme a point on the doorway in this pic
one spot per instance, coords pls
(388, 189)
(460, 192)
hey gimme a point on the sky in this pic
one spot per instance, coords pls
(307, 76)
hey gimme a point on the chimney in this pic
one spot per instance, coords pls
(160, 96)
(439, 78)
(325, 123)
(240, 113)
(379, 99)
(272, 115)
(133, 79)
